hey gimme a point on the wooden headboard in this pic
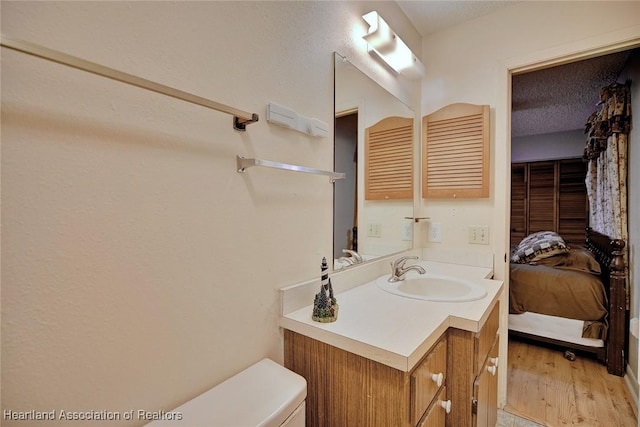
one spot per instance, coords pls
(610, 254)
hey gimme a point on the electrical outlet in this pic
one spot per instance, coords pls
(435, 232)
(374, 230)
(479, 234)
(407, 231)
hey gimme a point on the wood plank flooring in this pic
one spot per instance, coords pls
(545, 387)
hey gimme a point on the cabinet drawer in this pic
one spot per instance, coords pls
(486, 337)
(425, 379)
(436, 416)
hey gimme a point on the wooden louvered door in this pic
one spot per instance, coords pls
(389, 159)
(542, 196)
(549, 196)
(573, 205)
(518, 202)
(455, 152)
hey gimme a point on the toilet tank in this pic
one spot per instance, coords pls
(265, 394)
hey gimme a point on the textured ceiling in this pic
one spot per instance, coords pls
(561, 98)
(555, 99)
(431, 16)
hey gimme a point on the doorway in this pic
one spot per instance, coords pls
(346, 160)
(514, 74)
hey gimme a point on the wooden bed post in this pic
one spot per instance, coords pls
(616, 357)
(610, 254)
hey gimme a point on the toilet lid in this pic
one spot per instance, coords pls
(264, 395)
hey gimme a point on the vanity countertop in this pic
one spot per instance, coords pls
(395, 330)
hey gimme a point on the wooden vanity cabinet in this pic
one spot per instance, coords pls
(344, 389)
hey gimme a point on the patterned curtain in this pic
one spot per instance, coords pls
(606, 154)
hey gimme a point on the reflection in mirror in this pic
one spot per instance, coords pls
(365, 228)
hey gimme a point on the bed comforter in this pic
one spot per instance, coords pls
(559, 292)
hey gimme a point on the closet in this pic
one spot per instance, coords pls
(549, 195)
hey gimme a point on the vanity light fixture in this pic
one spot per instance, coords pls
(388, 46)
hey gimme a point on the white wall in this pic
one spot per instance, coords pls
(470, 63)
(139, 268)
(547, 146)
(632, 72)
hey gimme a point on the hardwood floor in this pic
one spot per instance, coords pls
(545, 387)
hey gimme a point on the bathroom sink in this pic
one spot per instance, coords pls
(432, 287)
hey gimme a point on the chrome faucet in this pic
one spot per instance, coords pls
(354, 254)
(398, 270)
(353, 258)
(347, 260)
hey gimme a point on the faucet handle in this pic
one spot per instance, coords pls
(399, 263)
(354, 254)
(398, 270)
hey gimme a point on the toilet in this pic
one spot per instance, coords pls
(263, 395)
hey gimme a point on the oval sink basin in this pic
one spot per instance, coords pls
(431, 287)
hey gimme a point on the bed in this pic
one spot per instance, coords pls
(571, 297)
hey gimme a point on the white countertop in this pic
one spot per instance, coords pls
(392, 329)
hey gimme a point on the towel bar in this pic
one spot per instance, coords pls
(244, 163)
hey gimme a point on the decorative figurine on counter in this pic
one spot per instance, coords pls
(325, 307)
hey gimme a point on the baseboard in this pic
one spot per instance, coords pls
(631, 381)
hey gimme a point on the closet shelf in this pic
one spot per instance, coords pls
(245, 163)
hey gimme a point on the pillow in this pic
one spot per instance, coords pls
(537, 246)
(575, 259)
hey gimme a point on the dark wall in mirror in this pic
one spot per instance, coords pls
(381, 225)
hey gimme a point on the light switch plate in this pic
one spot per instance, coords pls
(374, 230)
(479, 234)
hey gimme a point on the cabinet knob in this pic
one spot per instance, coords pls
(492, 369)
(494, 360)
(437, 378)
(446, 404)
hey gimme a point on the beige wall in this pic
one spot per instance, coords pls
(139, 269)
(632, 72)
(470, 63)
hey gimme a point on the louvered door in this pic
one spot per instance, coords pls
(542, 196)
(389, 159)
(519, 224)
(549, 196)
(572, 201)
(455, 152)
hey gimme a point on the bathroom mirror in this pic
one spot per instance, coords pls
(371, 228)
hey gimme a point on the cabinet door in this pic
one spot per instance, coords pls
(455, 152)
(388, 161)
(486, 338)
(437, 414)
(486, 391)
(492, 395)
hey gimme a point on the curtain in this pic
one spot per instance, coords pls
(606, 153)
